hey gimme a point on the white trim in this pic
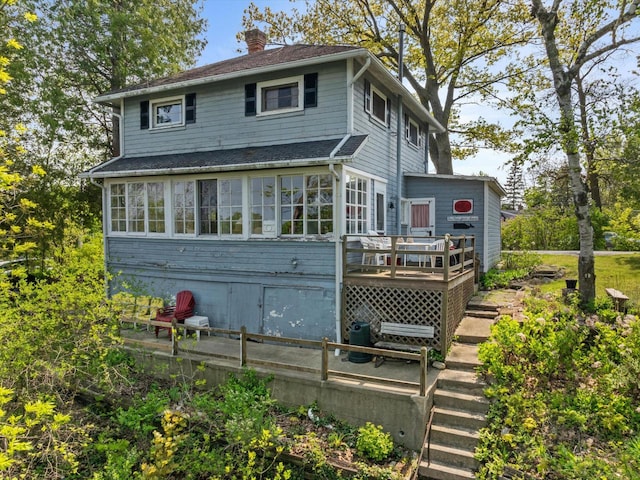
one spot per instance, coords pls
(375, 91)
(280, 82)
(412, 122)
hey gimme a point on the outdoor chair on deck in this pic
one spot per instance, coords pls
(181, 310)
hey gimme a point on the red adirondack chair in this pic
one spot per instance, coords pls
(181, 310)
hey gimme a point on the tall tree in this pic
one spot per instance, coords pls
(514, 186)
(453, 47)
(573, 34)
(77, 50)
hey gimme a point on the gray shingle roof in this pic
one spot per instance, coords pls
(216, 160)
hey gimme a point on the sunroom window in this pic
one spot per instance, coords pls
(263, 206)
(183, 207)
(357, 215)
(230, 206)
(306, 205)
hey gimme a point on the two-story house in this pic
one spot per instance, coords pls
(238, 180)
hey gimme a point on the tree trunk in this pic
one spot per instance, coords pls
(589, 146)
(562, 85)
(440, 153)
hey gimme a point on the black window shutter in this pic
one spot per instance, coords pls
(388, 112)
(144, 115)
(250, 99)
(367, 96)
(311, 90)
(407, 126)
(190, 108)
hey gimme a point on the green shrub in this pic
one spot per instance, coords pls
(373, 443)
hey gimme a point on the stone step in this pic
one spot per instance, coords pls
(438, 471)
(462, 357)
(480, 304)
(452, 456)
(460, 401)
(464, 381)
(481, 313)
(454, 437)
(458, 418)
(474, 330)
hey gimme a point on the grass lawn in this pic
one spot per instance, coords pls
(621, 272)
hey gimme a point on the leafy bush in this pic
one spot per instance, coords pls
(565, 388)
(373, 443)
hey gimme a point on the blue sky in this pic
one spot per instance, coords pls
(225, 21)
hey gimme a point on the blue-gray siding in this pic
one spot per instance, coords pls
(221, 122)
(284, 288)
(445, 191)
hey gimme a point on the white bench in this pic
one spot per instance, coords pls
(404, 330)
(195, 321)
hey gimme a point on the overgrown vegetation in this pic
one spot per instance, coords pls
(513, 266)
(73, 406)
(565, 387)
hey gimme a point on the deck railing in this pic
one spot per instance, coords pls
(177, 345)
(445, 257)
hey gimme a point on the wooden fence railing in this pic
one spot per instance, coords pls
(324, 371)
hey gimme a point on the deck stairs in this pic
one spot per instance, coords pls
(459, 405)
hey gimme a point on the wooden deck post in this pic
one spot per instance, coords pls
(174, 337)
(243, 346)
(324, 375)
(423, 371)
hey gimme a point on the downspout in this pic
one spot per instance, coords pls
(337, 255)
(426, 150)
(399, 135)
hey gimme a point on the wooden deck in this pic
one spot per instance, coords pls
(408, 282)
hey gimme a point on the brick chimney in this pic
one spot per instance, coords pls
(256, 40)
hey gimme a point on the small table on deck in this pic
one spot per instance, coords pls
(196, 321)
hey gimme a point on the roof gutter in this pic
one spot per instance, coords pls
(221, 168)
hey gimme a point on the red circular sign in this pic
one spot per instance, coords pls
(462, 206)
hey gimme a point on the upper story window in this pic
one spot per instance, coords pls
(291, 94)
(377, 104)
(413, 132)
(168, 112)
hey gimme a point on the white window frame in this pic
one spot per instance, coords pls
(413, 123)
(362, 201)
(185, 207)
(375, 92)
(380, 188)
(261, 87)
(269, 227)
(145, 205)
(160, 102)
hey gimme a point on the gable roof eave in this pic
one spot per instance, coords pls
(307, 162)
(111, 98)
